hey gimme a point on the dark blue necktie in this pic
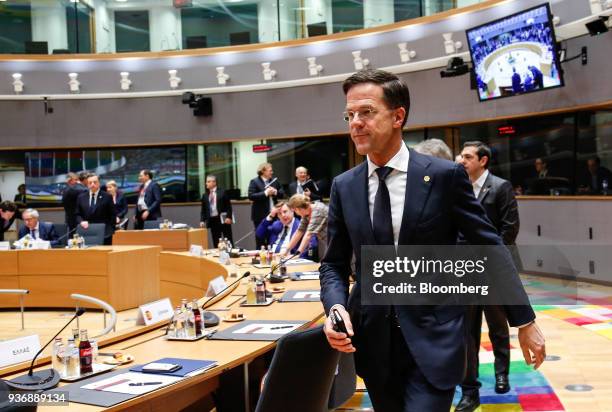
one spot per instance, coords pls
(382, 223)
(282, 239)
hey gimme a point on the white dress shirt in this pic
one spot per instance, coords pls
(95, 197)
(396, 183)
(142, 206)
(479, 183)
(213, 204)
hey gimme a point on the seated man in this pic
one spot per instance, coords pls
(278, 228)
(37, 229)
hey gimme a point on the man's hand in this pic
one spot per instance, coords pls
(339, 340)
(84, 224)
(228, 221)
(532, 344)
(145, 215)
(270, 191)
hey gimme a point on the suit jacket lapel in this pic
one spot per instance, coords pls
(418, 187)
(486, 188)
(360, 189)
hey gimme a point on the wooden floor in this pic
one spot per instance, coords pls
(584, 351)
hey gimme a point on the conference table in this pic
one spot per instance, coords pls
(183, 275)
(123, 276)
(150, 345)
(168, 239)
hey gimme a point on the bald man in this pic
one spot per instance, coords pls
(303, 185)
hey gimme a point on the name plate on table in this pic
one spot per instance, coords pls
(18, 350)
(196, 250)
(5, 246)
(215, 286)
(154, 312)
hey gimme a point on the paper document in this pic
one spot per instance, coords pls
(141, 383)
(268, 328)
(307, 294)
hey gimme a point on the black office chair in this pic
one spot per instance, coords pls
(152, 224)
(301, 374)
(61, 229)
(93, 235)
(345, 382)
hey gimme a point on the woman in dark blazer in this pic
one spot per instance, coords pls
(121, 205)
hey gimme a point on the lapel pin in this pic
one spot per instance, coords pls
(426, 179)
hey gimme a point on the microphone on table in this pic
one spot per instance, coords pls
(211, 319)
(233, 253)
(45, 379)
(279, 278)
(67, 234)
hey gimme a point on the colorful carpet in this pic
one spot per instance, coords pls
(577, 303)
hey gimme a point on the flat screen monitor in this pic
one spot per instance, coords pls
(36, 47)
(196, 42)
(241, 37)
(515, 54)
(317, 29)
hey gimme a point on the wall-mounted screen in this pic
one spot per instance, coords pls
(515, 54)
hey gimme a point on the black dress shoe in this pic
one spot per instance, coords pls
(501, 384)
(468, 403)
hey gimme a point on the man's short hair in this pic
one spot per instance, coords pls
(72, 176)
(213, 177)
(111, 183)
(434, 147)
(301, 168)
(299, 201)
(8, 206)
(281, 203)
(147, 172)
(83, 175)
(93, 175)
(262, 167)
(395, 91)
(481, 150)
(32, 212)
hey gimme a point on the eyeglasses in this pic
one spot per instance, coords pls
(364, 114)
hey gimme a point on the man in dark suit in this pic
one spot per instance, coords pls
(8, 213)
(597, 179)
(304, 185)
(148, 206)
(216, 213)
(410, 357)
(69, 199)
(278, 228)
(497, 198)
(37, 229)
(96, 206)
(264, 191)
(21, 196)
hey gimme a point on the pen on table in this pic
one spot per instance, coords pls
(282, 327)
(144, 383)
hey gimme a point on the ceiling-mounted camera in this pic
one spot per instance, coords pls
(201, 105)
(455, 67)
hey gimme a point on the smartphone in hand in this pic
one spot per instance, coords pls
(338, 322)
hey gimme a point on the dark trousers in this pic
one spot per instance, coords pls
(219, 229)
(406, 388)
(139, 223)
(500, 339)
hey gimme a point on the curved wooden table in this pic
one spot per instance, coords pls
(150, 346)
